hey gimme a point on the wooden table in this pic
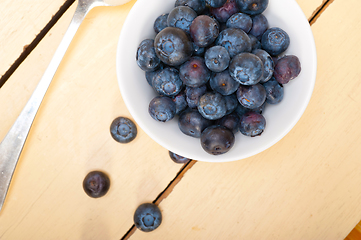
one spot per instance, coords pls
(305, 187)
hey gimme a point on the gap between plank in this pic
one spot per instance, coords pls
(27, 49)
(317, 13)
(165, 193)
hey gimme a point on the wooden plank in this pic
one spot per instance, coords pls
(20, 22)
(70, 137)
(309, 8)
(304, 186)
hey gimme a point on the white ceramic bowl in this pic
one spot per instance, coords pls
(280, 118)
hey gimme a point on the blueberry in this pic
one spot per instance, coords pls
(246, 68)
(181, 17)
(194, 72)
(217, 139)
(180, 102)
(241, 21)
(255, 43)
(234, 40)
(223, 83)
(193, 95)
(167, 82)
(225, 11)
(204, 30)
(274, 91)
(173, 46)
(162, 108)
(230, 121)
(198, 51)
(252, 124)
(178, 158)
(212, 105)
(216, 3)
(123, 130)
(192, 123)
(252, 96)
(287, 68)
(150, 74)
(268, 64)
(252, 7)
(217, 58)
(231, 103)
(197, 5)
(146, 57)
(240, 110)
(259, 26)
(96, 184)
(160, 23)
(275, 41)
(147, 217)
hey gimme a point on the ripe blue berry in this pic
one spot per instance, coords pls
(287, 68)
(146, 57)
(212, 105)
(217, 139)
(96, 184)
(162, 108)
(181, 17)
(217, 58)
(178, 158)
(167, 82)
(192, 123)
(252, 124)
(147, 217)
(235, 40)
(204, 30)
(246, 68)
(274, 91)
(252, 96)
(123, 130)
(194, 72)
(252, 7)
(160, 23)
(275, 41)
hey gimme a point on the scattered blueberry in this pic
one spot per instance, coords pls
(160, 23)
(181, 17)
(212, 105)
(259, 26)
(252, 124)
(123, 130)
(217, 58)
(173, 46)
(204, 30)
(225, 11)
(178, 158)
(217, 139)
(146, 57)
(268, 64)
(246, 68)
(275, 41)
(216, 3)
(241, 21)
(147, 217)
(274, 91)
(234, 40)
(194, 72)
(287, 68)
(197, 5)
(193, 95)
(96, 184)
(252, 7)
(252, 96)
(192, 123)
(162, 108)
(223, 83)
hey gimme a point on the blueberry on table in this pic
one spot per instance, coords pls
(268, 64)
(246, 68)
(96, 184)
(274, 91)
(223, 83)
(287, 68)
(162, 108)
(192, 123)
(146, 57)
(173, 46)
(160, 23)
(252, 7)
(147, 217)
(235, 40)
(259, 26)
(193, 94)
(240, 20)
(181, 17)
(216, 3)
(204, 30)
(123, 130)
(252, 124)
(225, 11)
(252, 96)
(212, 105)
(217, 58)
(178, 158)
(217, 139)
(167, 82)
(194, 72)
(275, 41)
(197, 5)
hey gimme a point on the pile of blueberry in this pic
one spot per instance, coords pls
(216, 64)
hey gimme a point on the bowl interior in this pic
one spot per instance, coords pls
(280, 118)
